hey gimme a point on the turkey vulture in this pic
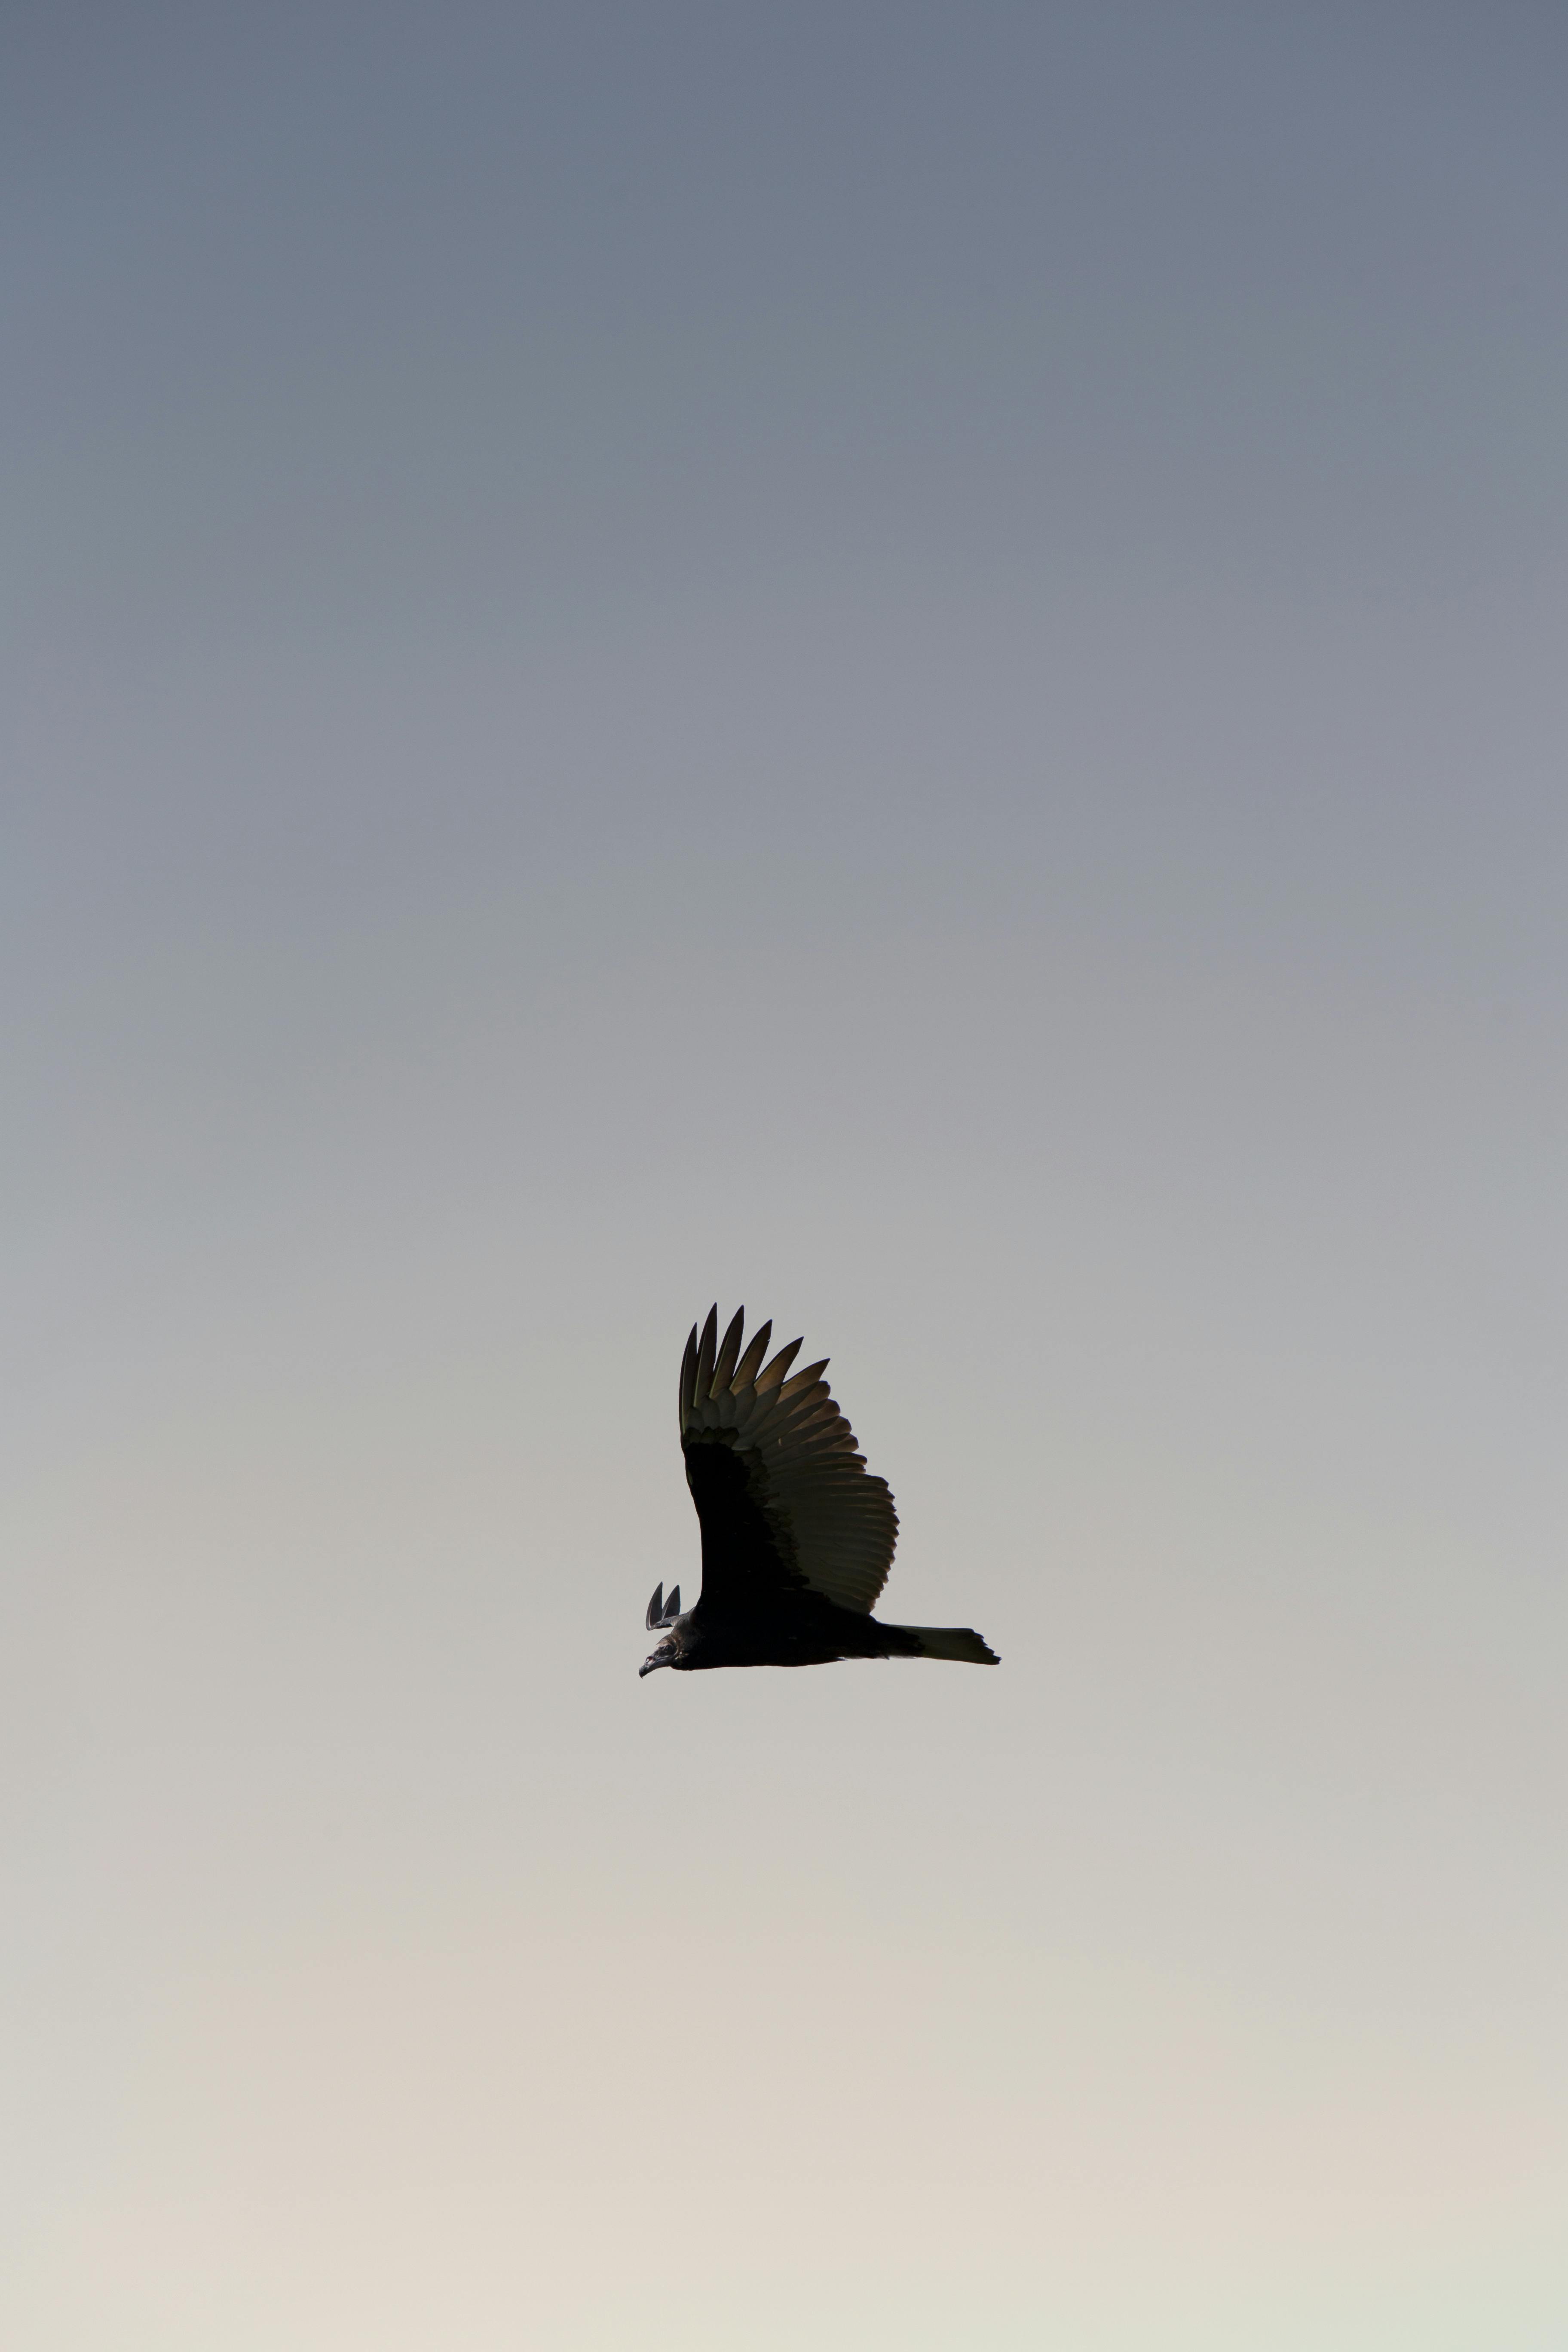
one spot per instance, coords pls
(796, 1539)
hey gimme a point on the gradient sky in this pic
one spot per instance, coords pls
(906, 663)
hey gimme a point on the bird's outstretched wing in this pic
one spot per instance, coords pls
(784, 1498)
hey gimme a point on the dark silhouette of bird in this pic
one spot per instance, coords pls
(797, 1539)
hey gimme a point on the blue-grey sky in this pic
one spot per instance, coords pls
(906, 664)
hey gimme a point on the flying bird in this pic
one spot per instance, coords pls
(797, 1539)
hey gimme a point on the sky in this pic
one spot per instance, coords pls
(902, 664)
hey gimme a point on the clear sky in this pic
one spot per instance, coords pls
(904, 663)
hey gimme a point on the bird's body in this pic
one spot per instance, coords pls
(797, 1537)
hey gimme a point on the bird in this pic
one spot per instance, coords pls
(797, 1537)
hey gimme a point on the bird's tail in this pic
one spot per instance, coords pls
(947, 1641)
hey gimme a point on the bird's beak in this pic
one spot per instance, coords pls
(649, 1665)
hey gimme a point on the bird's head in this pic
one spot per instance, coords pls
(661, 1612)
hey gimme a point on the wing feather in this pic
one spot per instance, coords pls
(746, 1369)
(793, 1505)
(724, 1369)
(689, 1376)
(704, 1376)
(775, 1371)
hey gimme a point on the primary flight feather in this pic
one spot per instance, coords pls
(797, 1537)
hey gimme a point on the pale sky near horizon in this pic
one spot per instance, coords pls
(906, 664)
